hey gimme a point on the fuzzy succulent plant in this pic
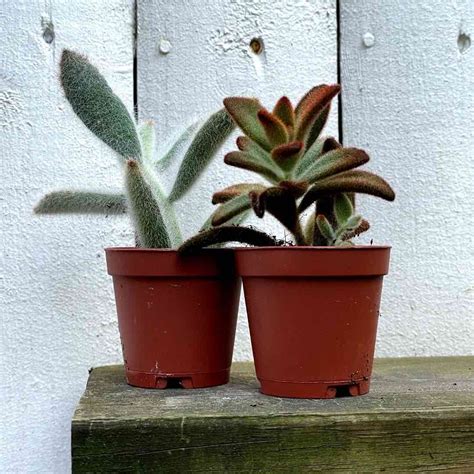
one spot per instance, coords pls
(299, 169)
(144, 198)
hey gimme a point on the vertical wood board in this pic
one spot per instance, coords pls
(407, 72)
(57, 309)
(192, 54)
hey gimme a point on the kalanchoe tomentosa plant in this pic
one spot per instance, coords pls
(300, 168)
(106, 116)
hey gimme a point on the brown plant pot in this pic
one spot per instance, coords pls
(177, 315)
(313, 315)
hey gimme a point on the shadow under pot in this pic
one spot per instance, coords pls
(177, 315)
(313, 314)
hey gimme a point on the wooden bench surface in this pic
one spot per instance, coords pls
(419, 415)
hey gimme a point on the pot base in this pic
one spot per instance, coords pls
(314, 389)
(188, 381)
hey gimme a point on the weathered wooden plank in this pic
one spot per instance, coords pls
(407, 97)
(419, 415)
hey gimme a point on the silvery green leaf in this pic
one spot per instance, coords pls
(202, 149)
(94, 102)
(81, 202)
(144, 209)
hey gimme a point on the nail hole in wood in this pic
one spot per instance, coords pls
(256, 45)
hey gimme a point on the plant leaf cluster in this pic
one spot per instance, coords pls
(105, 115)
(298, 168)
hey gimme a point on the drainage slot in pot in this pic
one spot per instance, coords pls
(341, 391)
(174, 382)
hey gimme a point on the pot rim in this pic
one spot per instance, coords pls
(311, 247)
(163, 250)
(300, 261)
(146, 262)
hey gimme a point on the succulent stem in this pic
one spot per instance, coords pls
(299, 234)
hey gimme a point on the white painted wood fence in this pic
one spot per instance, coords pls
(406, 70)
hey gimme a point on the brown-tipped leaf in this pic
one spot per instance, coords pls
(244, 112)
(334, 162)
(279, 202)
(230, 209)
(330, 143)
(244, 160)
(259, 155)
(284, 111)
(236, 190)
(257, 203)
(348, 182)
(311, 106)
(364, 226)
(275, 129)
(315, 151)
(287, 155)
(252, 148)
(318, 126)
(236, 220)
(296, 188)
(219, 235)
(246, 144)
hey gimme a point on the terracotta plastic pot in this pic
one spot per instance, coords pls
(177, 315)
(313, 314)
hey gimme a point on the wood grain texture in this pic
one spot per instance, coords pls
(419, 415)
(408, 98)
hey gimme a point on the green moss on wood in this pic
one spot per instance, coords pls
(419, 415)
